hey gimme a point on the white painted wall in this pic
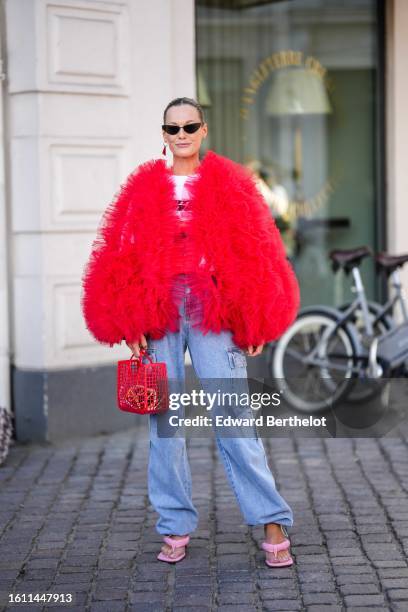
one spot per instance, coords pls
(397, 129)
(87, 84)
(5, 357)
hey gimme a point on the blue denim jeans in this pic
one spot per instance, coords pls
(214, 356)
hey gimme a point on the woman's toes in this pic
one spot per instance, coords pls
(167, 550)
(284, 555)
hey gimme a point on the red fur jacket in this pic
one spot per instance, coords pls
(247, 284)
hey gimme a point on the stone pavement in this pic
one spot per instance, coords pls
(75, 518)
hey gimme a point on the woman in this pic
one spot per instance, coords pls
(190, 256)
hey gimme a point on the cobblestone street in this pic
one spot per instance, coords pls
(75, 518)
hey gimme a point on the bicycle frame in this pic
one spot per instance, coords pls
(318, 355)
(360, 302)
(398, 297)
(387, 308)
(344, 316)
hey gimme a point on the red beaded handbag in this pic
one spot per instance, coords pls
(142, 388)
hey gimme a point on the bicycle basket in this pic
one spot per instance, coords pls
(142, 388)
(393, 346)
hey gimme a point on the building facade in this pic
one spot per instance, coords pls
(310, 95)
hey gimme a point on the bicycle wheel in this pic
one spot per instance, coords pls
(314, 362)
(366, 388)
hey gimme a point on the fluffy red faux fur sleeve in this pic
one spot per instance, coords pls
(269, 298)
(110, 297)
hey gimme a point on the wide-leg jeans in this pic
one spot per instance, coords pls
(214, 357)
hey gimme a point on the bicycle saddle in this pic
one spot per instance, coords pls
(349, 258)
(390, 262)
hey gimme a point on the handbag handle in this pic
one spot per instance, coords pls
(143, 353)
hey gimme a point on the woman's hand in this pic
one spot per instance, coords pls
(136, 346)
(253, 351)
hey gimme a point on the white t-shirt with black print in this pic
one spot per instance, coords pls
(183, 205)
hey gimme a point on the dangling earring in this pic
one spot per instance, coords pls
(164, 149)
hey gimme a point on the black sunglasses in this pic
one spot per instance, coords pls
(189, 128)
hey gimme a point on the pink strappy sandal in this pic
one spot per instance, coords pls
(173, 544)
(274, 548)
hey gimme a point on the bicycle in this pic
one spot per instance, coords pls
(382, 316)
(325, 343)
